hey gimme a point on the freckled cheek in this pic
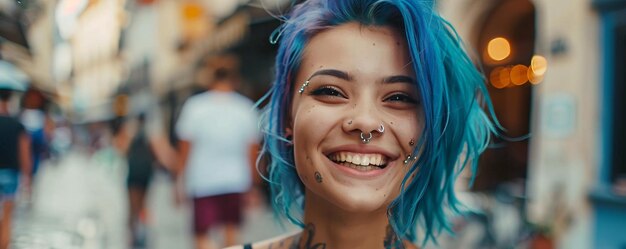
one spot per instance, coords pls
(312, 124)
(303, 131)
(304, 166)
(407, 128)
(308, 131)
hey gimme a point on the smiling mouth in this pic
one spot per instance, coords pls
(359, 161)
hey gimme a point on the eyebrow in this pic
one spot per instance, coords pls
(399, 79)
(332, 72)
(347, 77)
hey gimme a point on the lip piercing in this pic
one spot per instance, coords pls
(412, 142)
(306, 83)
(366, 139)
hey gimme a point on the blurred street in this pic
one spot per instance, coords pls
(74, 206)
(94, 93)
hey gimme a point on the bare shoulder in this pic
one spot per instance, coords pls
(281, 242)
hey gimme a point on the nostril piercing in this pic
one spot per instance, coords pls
(381, 129)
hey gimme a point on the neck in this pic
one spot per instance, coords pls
(4, 108)
(328, 226)
(222, 87)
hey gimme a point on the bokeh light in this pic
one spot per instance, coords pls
(499, 77)
(498, 48)
(533, 78)
(539, 65)
(519, 75)
(537, 70)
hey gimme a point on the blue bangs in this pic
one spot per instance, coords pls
(454, 97)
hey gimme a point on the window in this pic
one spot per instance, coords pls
(618, 137)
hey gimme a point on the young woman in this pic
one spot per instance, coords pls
(375, 110)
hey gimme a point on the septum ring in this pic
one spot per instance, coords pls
(381, 130)
(366, 139)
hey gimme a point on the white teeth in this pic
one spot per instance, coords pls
(365, 161)
(359, 159)
(361, 168)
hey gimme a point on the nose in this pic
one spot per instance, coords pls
(363, 121)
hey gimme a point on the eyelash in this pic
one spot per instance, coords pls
(334, 92)
(327, 91)
(401, 97)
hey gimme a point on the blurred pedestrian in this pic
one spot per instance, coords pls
(149, 147)
(218, 133)
(15, 159)
(38, 124)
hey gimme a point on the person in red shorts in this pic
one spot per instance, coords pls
(218, 140)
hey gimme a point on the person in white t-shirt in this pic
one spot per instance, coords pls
(218, 144)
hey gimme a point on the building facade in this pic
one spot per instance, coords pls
(574, 167)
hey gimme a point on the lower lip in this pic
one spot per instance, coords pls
(358, 173)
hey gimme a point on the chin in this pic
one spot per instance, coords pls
(359, 201)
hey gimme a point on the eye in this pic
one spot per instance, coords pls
(327, 91)
(401, 97)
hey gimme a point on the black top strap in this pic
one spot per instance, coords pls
(247, 246)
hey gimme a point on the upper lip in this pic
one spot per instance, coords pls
(363, 149)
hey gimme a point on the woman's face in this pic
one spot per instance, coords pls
(360, 78)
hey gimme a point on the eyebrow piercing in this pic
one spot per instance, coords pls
(306, 83)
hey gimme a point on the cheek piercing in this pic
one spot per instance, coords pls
(408, 159)
(412, 142)
(318, 177)
(306, 83)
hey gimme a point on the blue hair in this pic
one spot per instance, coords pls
(456, 130)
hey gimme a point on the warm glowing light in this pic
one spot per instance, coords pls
(505, 76)
(498, 48)
(494, 77)
(519, 75)
(499, 77)
(533, 78)
(539, 65)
